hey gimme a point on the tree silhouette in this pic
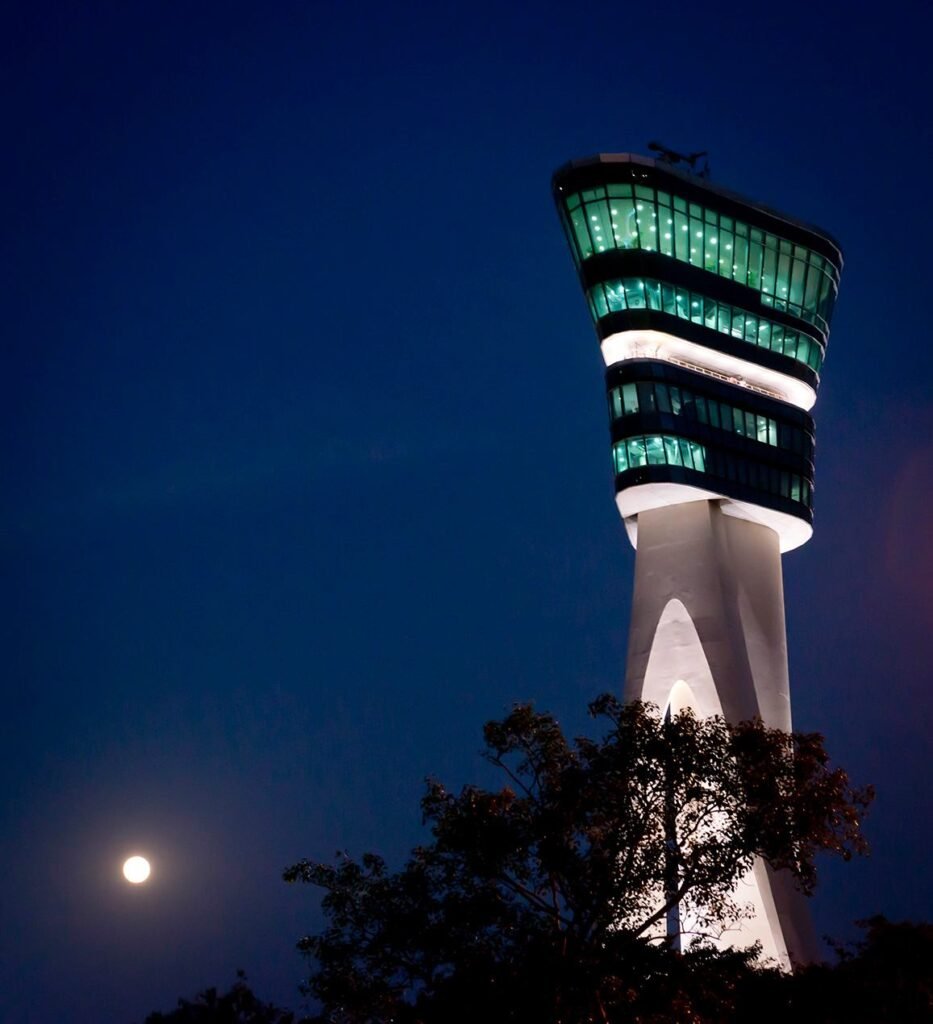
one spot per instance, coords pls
(238, 1006)
(547, 899)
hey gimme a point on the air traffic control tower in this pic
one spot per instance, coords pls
(712, 312)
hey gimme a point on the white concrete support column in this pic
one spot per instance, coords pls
(708, 631)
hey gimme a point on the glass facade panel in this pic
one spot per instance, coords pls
(629, 398)
(798, 275)
(782, 284)
(668, 303)
(599, 225)
(666, 228)
(580, 234)
(622, 211)
(672, 452)
(635, 451)
(681, 237)
(769, 271)
(634, 293)
(655, 446)
(698, 452)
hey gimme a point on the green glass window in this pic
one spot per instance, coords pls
(598, 295)
(788, 276)
(629, 398)
(798, 275)
(637, 293)
(666, 231)
(655, 447)
(769, 271)
(658, 450)
(681, 236)
(740, 255)
(663, 398)
(668, 302)
(581, 235)
(755, 256)
(812, 288)
(635, 451)
(672, 452)
(634, 293)
(622, 211)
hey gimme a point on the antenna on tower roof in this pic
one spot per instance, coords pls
(672, 157)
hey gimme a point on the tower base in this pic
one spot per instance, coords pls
(708, 632)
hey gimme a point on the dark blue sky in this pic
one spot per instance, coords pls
(306, 466)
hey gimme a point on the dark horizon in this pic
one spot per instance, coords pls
(307, 464)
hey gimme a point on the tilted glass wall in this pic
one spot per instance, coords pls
(658, 397)
(645, 293)
(667, 450)
(787, 276)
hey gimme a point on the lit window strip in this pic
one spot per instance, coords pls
(648, 293)
(771, 264)
(675, 400)
(658, 450)
(668, 450)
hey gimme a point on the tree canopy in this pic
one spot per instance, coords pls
(546, 900)
(240, 1005)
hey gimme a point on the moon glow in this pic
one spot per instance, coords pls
(136, 870)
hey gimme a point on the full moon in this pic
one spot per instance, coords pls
(136, 870)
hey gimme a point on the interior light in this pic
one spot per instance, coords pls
(685, 228)
(712, 241)
(667, 234)
(699, 233)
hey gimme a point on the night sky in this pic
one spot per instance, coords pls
(306, 464)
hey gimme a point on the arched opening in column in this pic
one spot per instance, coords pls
(677, 665)
(678, 676)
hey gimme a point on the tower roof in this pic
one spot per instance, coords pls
(604, 167)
